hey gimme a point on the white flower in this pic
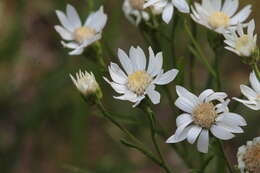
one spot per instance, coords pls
(139, 79)
(208, 112)
(168, 7)
(78, 35)
(252, 94)
(217, 16)
(85, 83)
(134, 11)
(240, 43)
(248, 156)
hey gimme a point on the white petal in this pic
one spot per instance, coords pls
(150, 2)
(216, 96)
(216, 4)
(248, 92)
(65, 34)
(205, 94)
(181, 5)
(183, 92)
(121, 89)
(241, 16)
(116, 75)
(230, 7)
(138, 58)
(158, 62)
(254, 82)
(203, 141)
(178, 137)
(251, 28)
(232, 119)
(193, 133)
(73, 16)
(167, 13)
(152, 63)
(125, 61)
(76, 51)
(153, 95)
(166, 77)
(97, 20)
(64, 21)
(185, 105)
(232, 129)
(71, 45)
(183, 118)
(221, 133)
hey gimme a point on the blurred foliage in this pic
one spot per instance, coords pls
(45, 125)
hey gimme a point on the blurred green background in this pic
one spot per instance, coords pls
(45, 126)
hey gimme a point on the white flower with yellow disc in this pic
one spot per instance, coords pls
(139, 79)
(77, 34)
(219, 16)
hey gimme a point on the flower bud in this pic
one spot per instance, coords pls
(87, 84)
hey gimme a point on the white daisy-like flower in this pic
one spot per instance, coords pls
(252, 94)
(134, 11)
(139, 79)
(168, 7)
(248, 156)
(85, 83)
(80, 35)
(208, 112)
(240, 43)
(217, 16)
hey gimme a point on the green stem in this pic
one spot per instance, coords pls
(153, 135)
(256, 69)
(135, 143)
(99, 55)
(230, 167)
(197, 51)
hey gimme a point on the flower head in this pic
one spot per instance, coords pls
(208, 112)
(252, 94)
(138, 80)
(248, 156)
(80, 35)
(86, 83)
(167, 7)
(134, 11)
(217, 16)
(243, 44)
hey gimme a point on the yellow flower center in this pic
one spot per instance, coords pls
(245, 45)
(139, 81)
(83, 33)
(218, 19)
(137, 4)
(204, 115)
(252, 158)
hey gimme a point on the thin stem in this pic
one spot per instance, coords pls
(256, 69)
(230, 167)
(153, 135)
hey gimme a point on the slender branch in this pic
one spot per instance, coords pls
(256, 69)
(153, 135)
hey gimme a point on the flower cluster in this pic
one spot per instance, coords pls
(204, 116)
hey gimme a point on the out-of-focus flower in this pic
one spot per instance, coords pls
(78, 35)
(217, 16)
(168, 7)
(139, 79)
(134, 11)
(240, 43)
(208, 112)
(86, 84)
(248, 156)
(252, 94)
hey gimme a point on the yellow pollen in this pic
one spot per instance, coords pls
(83, 33)
(204, 115)
(137, 4)
(252, 158)
(139, 81)
(218, 19)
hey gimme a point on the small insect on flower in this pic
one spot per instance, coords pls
(86, 84)
(168, 7)
(252, 94)
(78, 35)
(248, 156)
(139, 80)
(208, 112)
(240, 43)
(134, 11)
(217, 16)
